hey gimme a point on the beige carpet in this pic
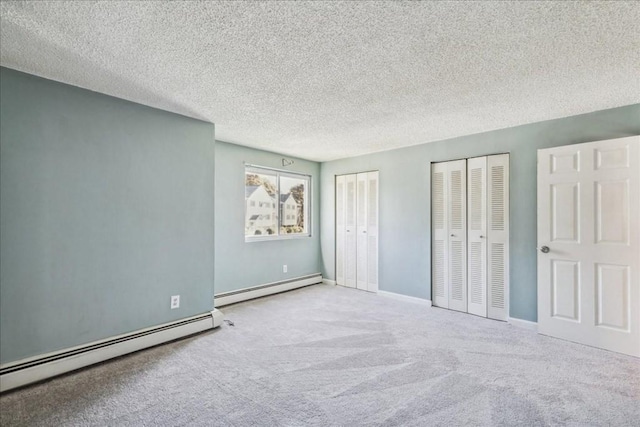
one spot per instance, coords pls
(328, 356)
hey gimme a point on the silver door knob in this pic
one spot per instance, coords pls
(545, 249)
(482, 237)
(453, 235)
(364, 231)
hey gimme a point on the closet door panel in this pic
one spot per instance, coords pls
(350, 230)
(340, 230)
(498, 236)
(439, 236)
(476, 234)
(361, 230)
(457, 219)
(372, 231)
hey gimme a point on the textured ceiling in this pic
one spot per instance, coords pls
(326, 80)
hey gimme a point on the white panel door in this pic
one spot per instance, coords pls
(439, 236)
(589, 241)
(498, 236)
(457, 222)
(340, 229)
(361, 230)
(477, 235)
(372, 231)
(350, 246)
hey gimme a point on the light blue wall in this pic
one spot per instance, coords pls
(405, 207)
(106, 210)
(241, 264)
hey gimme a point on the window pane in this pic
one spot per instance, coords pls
(294, 205)
(276, 204)
(261, 216)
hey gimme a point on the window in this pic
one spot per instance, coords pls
(276, 204)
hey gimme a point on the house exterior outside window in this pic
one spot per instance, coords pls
(260, 219)
(289, 203)
(276, 204)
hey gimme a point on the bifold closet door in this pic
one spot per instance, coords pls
(361, 231)
(439, 235)
(367, 229)
(341, 230)
(346, 230)
(357, 231)
(477, 235)
(470, 235)
(498, 236)
(457, 216)
(373, 218)
(449, 234)
(350, 246)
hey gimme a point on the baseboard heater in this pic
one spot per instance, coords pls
(33, 369)
(233, 297)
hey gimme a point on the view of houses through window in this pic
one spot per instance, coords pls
(276, 203)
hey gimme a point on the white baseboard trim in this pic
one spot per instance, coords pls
(406, 298)
(329, 282)
(226, 298)
(525, 324)
(33, 369)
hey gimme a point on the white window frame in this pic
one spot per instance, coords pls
(280, 213)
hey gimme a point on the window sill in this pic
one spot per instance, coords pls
(252, 239)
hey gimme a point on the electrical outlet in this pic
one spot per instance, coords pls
(284, 268)
(175, 301)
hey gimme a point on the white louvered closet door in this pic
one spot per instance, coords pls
(439, 236)
(361, 228)
(372, 231)
(350, 230)
(470, 235)
(357, 230)
(340, 229)
(498, 236)
(477, 235)
(457, 221)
